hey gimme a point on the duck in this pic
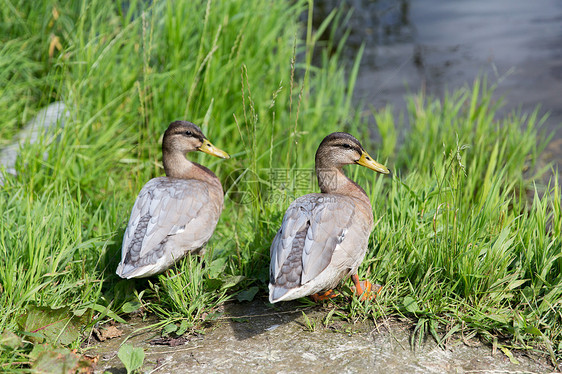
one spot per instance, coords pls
(324, 236)
(176, 214)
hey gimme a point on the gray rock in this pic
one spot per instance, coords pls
(45, 124)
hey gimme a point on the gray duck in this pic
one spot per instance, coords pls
(323, 237)
(176, 214)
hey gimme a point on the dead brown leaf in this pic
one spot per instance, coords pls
(108, 332)
(55, 43)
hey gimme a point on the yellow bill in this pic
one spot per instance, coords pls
(209, 148)
(368, 162)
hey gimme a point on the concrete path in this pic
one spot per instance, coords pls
(257, 338)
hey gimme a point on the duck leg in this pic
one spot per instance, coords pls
(323, 296)
(365, 289)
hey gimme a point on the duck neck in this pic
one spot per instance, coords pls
(176, 165)
(333, 180)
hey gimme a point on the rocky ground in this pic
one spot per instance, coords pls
(256, 338)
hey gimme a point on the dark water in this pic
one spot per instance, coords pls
(443, 45)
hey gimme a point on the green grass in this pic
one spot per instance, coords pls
(458, 245)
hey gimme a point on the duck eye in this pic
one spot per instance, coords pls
(188, 133)
(346, 146)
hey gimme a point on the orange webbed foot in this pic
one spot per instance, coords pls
(323, 296)
(365, 289)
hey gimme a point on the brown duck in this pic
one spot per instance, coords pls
(324, 236)
(176, 214)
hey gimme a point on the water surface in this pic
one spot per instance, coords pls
(443, 45)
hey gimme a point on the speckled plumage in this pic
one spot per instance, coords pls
(172, 216)
(323, 237)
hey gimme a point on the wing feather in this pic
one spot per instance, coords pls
(328, 221)
(293, 221)
(171, 205)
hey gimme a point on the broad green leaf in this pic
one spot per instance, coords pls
(184, 325)
(247, 295)
(216, 268)
(131, 357)
(232, 281)
(213, 284)
(47, 359)
(55, 362)
(533, 330)
(55, 326)
(130, 307)
(169, 328)
(411, 305)
(10, 340)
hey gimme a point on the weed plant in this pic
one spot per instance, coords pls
(467, 239)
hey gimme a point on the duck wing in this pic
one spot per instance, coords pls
(313, 227)
(166, 207)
